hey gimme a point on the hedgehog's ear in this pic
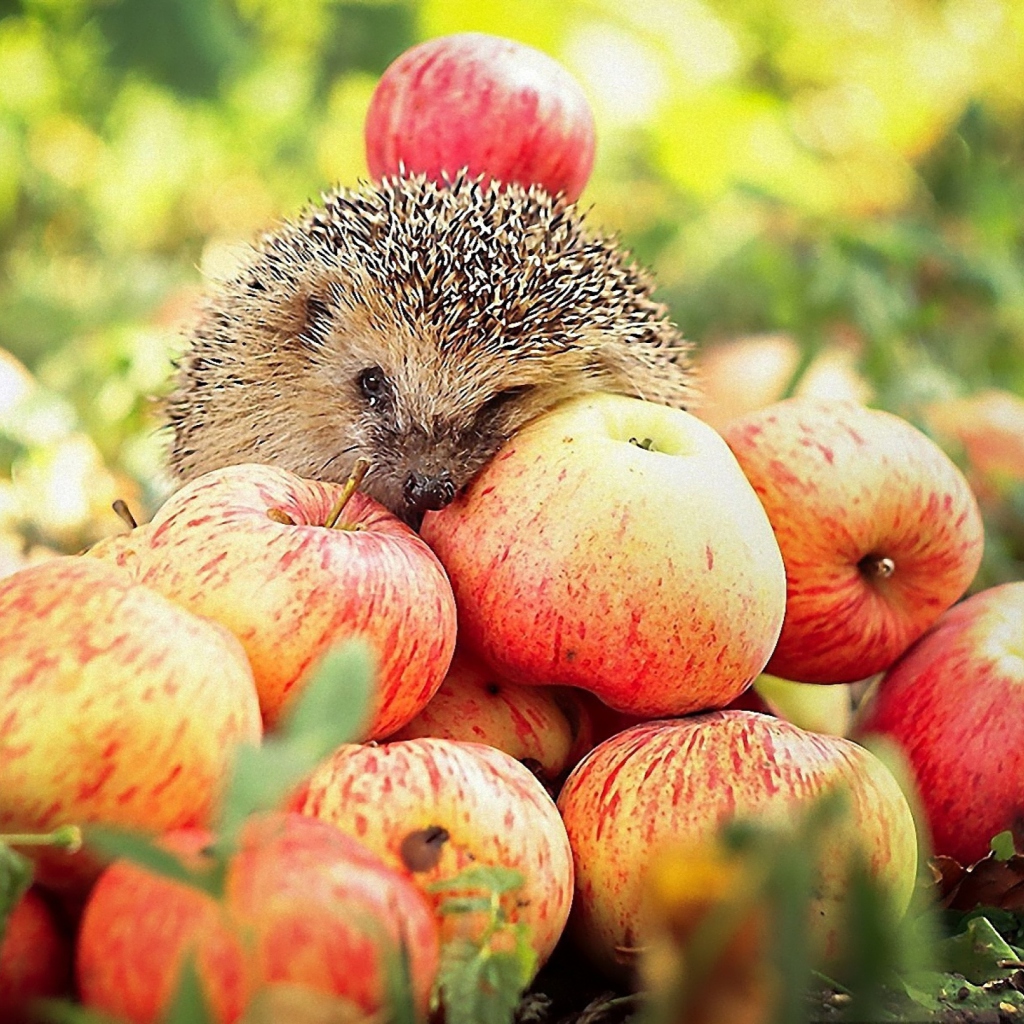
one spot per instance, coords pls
(316, 319)
(648, 368)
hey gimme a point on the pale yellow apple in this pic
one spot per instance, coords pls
(615, 545)
(824, 709)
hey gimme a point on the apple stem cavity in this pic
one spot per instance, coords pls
(647, 443)
(280, 516)
(124, 513)
(421, 850)
(876, 567)
(350, 488)
(67, 838)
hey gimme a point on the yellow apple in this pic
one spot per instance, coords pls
(615, 545)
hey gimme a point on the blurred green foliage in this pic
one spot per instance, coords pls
(843, 171)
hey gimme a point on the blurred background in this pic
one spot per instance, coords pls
(830, 193)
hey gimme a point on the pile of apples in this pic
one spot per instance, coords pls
(572, 622)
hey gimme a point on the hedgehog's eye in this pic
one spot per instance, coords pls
(374, 386)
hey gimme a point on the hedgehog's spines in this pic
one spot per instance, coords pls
(462, 292)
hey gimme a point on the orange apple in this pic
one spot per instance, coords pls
(433, 807)
(614, 545)
(304, 906)
(291, 590)
(879, 532)
(117, 706)
(677, 782)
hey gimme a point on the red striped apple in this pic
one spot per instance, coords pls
(433, 807)
(117, 706)
(291, 589)
(533, 725)
(879, 532)
(304, 907)
(678, 782)
(615, 545)
(954, 704)
(495, 106)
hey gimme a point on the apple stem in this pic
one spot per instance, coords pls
(350, 488)
(124, 513)
(67, 837)
(877, 567)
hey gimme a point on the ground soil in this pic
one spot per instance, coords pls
(569, 990)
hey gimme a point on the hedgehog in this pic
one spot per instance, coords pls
(417, 325)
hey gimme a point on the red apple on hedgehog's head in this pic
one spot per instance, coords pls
(479, 102)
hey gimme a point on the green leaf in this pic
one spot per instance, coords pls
(525, 953)
(976, 952)
(335, 704)
(1009, 923)
(1003, 846)
(476, 981)
(332, 709)
(261, 778)
(189, 1004)
(478, 985)
(492, 878)
(401, 997)
(117, 843)
(15, 878)
(61, 1011)
(937, 991)
(464, 904)
(871, 938)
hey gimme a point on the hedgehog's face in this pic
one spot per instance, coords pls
(427, 410)
(427, 425)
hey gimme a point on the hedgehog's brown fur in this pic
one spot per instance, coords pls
(481, 307)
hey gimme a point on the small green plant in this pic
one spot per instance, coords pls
(482, 978)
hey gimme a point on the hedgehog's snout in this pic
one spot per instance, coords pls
(428, 493)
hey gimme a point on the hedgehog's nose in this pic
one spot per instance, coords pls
(424, 493)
